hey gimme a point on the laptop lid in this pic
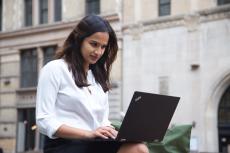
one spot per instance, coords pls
(148, 117)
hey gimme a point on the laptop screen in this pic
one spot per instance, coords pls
(148, 117)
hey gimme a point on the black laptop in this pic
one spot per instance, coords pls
(148, 117)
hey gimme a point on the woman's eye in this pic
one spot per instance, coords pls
(94, 44)
(103, 47)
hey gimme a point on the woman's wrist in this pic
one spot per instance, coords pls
(88, 134)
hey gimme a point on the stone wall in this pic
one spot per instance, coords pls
(186, 56)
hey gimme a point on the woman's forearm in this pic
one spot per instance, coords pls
(65, 131)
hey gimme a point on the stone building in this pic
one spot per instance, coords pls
(31, 31)
(165, 46)
(184, 52)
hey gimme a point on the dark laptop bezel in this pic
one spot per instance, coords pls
(153, 111)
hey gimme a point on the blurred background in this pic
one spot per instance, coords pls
(170, 47)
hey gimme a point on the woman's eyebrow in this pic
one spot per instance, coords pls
(92, 40)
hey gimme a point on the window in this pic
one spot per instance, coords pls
(222, 2)
(164, 7)
(163, 85)
(28, 68)
(48, 53)
(57, 10)
(28, 13)
(224, 121)
(224, 108)
(26, 131)
(0, 15)
(43, 11)
(92, 6)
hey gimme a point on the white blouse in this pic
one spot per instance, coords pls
(60, 101)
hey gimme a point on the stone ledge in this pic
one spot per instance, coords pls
(49, 27)
(216, 13)
(23, 90)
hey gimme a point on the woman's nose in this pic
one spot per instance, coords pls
(99, 50)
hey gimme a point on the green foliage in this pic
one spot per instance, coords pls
(176, 140)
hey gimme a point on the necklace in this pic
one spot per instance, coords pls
(89, 90)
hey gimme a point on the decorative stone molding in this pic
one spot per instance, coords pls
(49, 27)
(37, 29)
(111, 17)
(160, 23)
(191, 21)
(7, 122)
(136, 31)
(7, 52)
(164, 22)
(217, 13)
(7, 92)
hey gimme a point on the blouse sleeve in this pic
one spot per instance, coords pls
(48, 86)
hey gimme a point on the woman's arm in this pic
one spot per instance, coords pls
(47, 89)
(65, 131)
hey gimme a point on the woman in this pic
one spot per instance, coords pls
(72, 95)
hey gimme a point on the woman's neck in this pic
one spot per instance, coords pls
(86, 68)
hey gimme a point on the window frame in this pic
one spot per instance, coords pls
(43, 11)
(224, 108)
(91, 8)
(31, 72)
(50, 57)
(1, 9)
(161, 6)
(26, 119)
(28, 13)
(223, 2)
(57, 10)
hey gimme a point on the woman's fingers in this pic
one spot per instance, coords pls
(105, 132)
(109, 132)
(100, 134)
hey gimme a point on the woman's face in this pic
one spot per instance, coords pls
(93, 47)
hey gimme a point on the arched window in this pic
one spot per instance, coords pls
(224, 122)
(224, 108)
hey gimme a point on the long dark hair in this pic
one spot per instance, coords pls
(71, 53)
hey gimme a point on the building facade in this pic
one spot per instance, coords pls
(181, 48)
(165, 46)
(31, 32)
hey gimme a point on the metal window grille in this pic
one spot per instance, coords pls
(48, 53)
(164, 7)
(28, 12)
(28, 68)
(224, 108)
(57, 10)
(26, 119)
(92, 6)
(43, 11)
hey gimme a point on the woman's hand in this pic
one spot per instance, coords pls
(104, 132)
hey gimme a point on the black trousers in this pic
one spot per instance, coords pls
(61, 145)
